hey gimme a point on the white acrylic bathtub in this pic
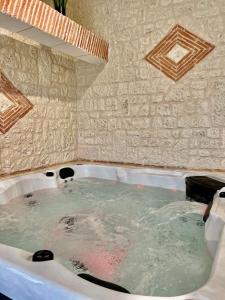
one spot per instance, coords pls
(22, 279)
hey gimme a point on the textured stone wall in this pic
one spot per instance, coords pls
(47, 134)
(125, 111)
(130, 112)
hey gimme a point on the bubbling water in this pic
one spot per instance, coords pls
(149, 240)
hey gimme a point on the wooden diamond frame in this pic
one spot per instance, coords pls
(20, 104)
(197, 47)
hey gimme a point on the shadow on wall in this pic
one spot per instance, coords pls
(38, 70)
(86, 75)
(47, 134)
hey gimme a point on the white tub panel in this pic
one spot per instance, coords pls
(149, 177)
(18, 186)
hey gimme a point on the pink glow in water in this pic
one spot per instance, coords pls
(103, 263)
(140, 187)
(203, 208)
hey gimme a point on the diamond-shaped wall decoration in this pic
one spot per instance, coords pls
(13, 104)
(178, 52)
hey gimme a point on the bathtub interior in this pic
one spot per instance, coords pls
(22, 185)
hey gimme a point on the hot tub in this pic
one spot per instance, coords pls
(23, 279)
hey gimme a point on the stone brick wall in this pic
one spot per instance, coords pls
(125, 111)
(128, 111)
(47, 134)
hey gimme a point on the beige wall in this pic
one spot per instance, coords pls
(47, 134)
(130, 112)
(126, 111)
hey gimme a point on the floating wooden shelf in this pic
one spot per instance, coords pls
(40, 22)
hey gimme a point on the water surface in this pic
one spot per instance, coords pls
(149, 240)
